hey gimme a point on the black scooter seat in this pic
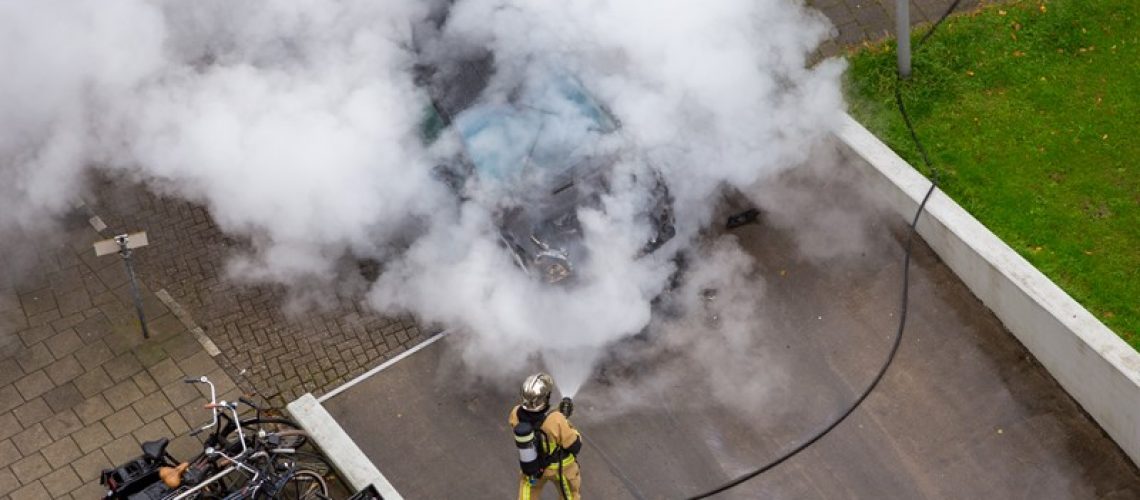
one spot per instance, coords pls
(155, 450)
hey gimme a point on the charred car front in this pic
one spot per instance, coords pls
(545, 147)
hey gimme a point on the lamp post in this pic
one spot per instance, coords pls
(902, 32)
(123, 244)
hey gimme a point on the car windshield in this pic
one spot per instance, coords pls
(546, 130)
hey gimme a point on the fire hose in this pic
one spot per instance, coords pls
(903, 305)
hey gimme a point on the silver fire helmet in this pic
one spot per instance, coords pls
(536, 392)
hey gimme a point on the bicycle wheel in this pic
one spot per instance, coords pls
(277, 425)
(292, 434)
(306, 460)
(304, 484)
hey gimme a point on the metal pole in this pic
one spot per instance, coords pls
(126, 253)
(902, 31)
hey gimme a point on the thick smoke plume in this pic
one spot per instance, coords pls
(298, 124)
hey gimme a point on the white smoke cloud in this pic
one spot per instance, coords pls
(711, 93)
(63, 60)
(297, 123)
(715, 91)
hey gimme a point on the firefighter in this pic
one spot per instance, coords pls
(548, 443)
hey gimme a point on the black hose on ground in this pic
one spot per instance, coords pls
(903, 305)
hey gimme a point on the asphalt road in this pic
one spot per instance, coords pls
(964, 412)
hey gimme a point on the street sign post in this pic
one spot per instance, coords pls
(123, 244)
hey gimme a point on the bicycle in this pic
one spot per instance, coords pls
(241, 458)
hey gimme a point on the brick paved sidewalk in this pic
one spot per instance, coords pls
(860, 20)
(79, 387)
(283, 356)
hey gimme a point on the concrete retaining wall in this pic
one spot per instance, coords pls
(340, 449)
(1092, 363)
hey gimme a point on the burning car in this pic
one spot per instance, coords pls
(545, 147)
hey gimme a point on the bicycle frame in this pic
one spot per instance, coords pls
(217, 410)
(236, 459)
(203, 484)
(213, 399)
(255, 459)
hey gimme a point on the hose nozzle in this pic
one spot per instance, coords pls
(566, 407)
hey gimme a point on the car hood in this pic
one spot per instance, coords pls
(547, 219)
(548, 128)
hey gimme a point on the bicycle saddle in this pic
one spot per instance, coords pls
(155, 450)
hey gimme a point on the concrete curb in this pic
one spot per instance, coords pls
(1098, 369)
(339, 448)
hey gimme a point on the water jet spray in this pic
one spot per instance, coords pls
(571, 368)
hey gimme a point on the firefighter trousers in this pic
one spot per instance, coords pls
(569, 483)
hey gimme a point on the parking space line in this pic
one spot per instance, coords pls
(364, 376)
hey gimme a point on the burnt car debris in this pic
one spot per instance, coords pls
(549, 147)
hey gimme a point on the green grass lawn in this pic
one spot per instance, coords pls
(1031, 112)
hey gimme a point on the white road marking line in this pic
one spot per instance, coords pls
(188, 322)
(431, 340)
(97, 223)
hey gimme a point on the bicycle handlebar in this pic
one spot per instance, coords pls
(213, 406)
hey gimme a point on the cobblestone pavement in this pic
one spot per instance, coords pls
(284, 356)
(79, 387)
